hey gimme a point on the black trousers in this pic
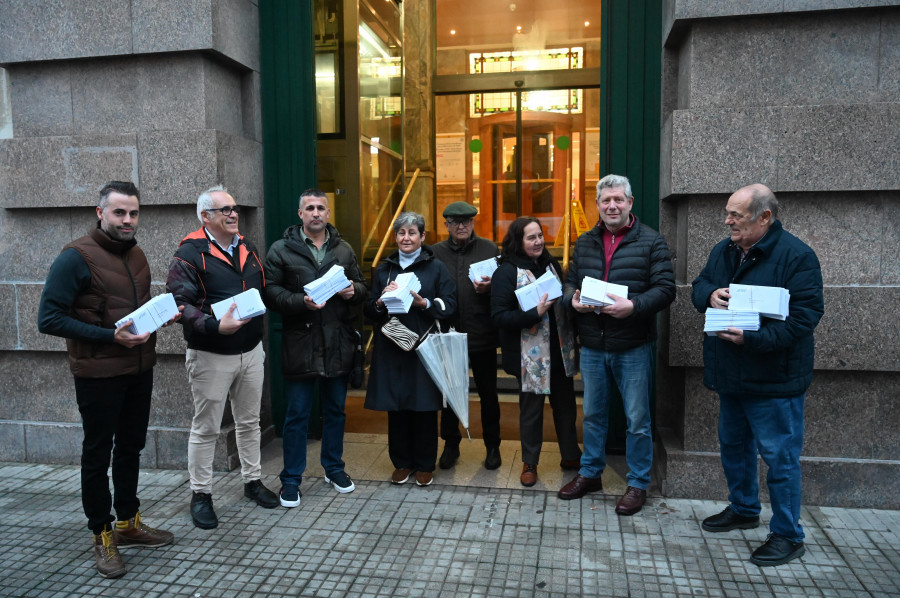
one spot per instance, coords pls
(115, 413)
(484, 370)
(413, 439)
(565, 415)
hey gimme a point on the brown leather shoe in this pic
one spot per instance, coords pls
(579, 487)
(135, 533)
(529, 475)
(106, 553)
(632, 501)
(570, 464)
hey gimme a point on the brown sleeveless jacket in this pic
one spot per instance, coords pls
(120, 283)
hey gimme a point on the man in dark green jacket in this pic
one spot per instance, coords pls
(319, 339)
(761, 376)
(473, 316)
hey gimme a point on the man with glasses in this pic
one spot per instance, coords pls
(225, 357)
(761, 376)
(462, 249)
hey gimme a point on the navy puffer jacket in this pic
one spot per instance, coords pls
(642, 263)
(777, 360)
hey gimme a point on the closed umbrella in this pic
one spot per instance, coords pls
(446, 359)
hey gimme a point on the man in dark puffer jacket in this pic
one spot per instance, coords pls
(617, 340)
(319, 339)
(761, 376)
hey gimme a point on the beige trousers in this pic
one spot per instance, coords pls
(214, 378)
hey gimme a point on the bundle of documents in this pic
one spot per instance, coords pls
(720, 319)
(530, 295)
(482, 268)
(400, 299)
(152, 315)
(771, 302)
(249, 305)
(322, 289)
(593, 291)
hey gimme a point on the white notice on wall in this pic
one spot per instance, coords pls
(450, 154)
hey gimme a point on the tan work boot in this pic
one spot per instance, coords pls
(135, 533)
(109, 563)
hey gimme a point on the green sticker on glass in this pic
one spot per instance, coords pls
(475, 146)
(563, 142)
(395, 145)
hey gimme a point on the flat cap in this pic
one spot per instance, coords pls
(460, 209)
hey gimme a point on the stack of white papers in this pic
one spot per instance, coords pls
(771, 302)
(400, 299)
(322, 289)
(530, 295)
(593, 291)
(152, 315)
(482, 268)
(721, 319)
(249, 305)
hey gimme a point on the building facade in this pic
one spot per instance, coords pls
(516, 107)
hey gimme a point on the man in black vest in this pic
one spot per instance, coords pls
(97, 280)
(473, 316)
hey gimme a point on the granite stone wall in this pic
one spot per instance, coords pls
(165, 94)
(804, 97)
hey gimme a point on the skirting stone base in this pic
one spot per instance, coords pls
(832, 482)
(166, 448)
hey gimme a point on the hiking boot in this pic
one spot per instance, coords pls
(109, 562)
(135, 533)
(202, 511)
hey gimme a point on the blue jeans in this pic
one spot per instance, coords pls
(630, 371)
(774, 427)
(300, 395)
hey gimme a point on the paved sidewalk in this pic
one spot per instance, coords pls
(384, 540)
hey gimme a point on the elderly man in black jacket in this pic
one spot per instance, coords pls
(761, 376)
(318, 342)
(462, 249)
(617, 339)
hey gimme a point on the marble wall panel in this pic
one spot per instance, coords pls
(9, 329)
(53, 443)
(889, 67)
(222, 91)
(236, 31)
(173, 405)
(28, 300)
(240, 168)
(809, 60)
(696, 9)
(701, 413)
(37, 386)
(251, 106)
(12, 441)
(716, 151)
(46, 232)
(71, 169)
(685, 330)
(35, 30)
(41, 99)
(890, 266)
(854, 331)
(171, 448)
(863, 139)
(165, 26)
(177, 165)
(161, 230)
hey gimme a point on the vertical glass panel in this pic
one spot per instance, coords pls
(327, 32)
(380, 113)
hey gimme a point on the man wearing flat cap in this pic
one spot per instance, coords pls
(473, 316)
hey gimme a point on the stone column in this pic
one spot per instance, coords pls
(419, 59)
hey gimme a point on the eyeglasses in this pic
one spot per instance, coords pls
(226, 210)
(458, 223)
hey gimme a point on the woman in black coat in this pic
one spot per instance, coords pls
(398, 382)
(538, 346)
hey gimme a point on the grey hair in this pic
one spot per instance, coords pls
(317, 193)
(614, 181)
(205, 201)
(762, 199)
(407, 218)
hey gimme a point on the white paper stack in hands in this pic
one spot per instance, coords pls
(152, 315)
(530, 295)
(322, 289)
(769, 302)
(721, 319)
(249, 305)
(594, 292)
(482, 268)
(400, 299)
